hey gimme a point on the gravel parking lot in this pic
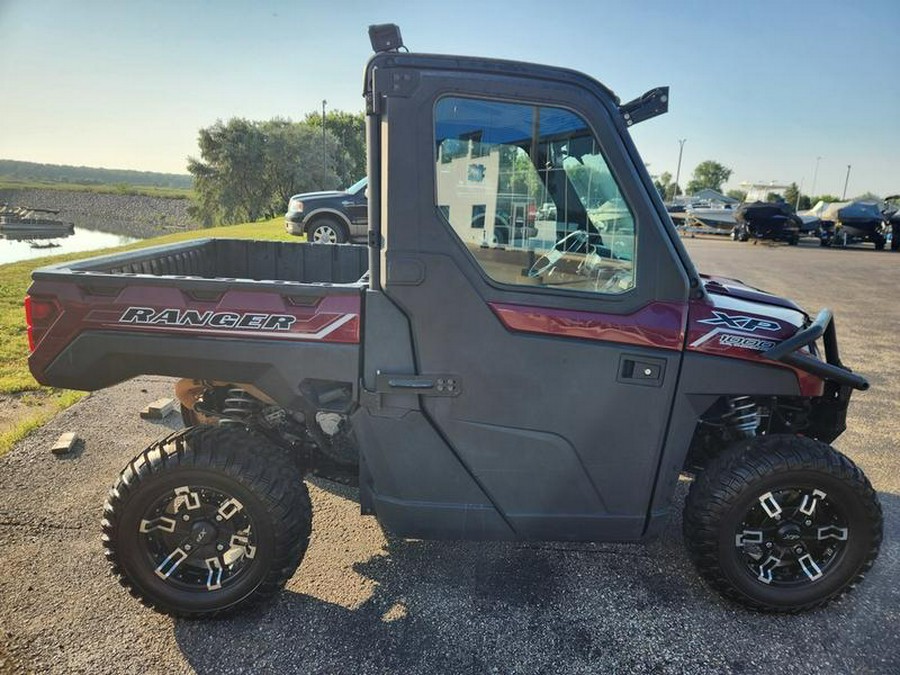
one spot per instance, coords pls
(365, 603)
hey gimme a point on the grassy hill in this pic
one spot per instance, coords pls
(32, 175)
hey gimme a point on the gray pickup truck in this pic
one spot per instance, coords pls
(549, 387)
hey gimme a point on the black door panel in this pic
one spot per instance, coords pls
(563, 443)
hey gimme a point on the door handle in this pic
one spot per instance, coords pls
(641, 370)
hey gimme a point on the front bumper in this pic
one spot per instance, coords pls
(293, 223)
(830, 370)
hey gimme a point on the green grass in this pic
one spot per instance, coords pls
(105, 189)
(16, 379)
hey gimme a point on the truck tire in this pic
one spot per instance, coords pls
(207, 521)
(326, 231)
(879, 240)
(782, 523)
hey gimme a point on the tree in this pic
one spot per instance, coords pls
(350, 131)
(248, 170)
(867, 197)
(294, 161)
(774, 198)
(805, 203)
(740, 195)
(230, 181)
(792, 195)
(708, 175)
(662, 184)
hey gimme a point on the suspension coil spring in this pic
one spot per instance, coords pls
(238, 407)
(743, 415)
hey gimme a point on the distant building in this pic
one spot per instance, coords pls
(757, 192)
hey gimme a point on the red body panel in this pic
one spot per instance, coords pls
(737, 323)
(659, 324)
(329, 318)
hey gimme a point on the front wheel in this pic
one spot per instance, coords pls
(326, 231)
(207, 521)
(782, 524)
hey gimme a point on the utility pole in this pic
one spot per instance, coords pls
(846, 180)
(815, 175)
(678, 170)
(324, 158)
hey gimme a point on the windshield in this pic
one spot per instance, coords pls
(358, 185)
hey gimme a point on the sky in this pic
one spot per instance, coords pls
(765, 88)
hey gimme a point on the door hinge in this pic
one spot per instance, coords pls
(422, 385)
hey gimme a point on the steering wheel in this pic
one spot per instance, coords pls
(547, 262)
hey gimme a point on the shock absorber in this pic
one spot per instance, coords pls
(742, 415)
(238, 407)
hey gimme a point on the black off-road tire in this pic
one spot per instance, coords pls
(327, 231)
(227, 461)
(738, 478)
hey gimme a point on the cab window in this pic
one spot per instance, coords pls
(528, 192)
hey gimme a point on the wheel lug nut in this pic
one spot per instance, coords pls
(219, 518)
(185, 517)
(768, 544)
(220, 547)
(798, 550)
(808, 523)
(187, 547)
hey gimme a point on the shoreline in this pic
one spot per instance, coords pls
(137, 216)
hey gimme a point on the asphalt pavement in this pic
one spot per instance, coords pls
(362, 602)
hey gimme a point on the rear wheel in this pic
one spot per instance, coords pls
(326, 231)
(207, 521)
(782, 524)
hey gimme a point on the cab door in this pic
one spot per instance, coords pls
(550, 363)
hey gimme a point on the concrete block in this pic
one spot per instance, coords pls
(65, 443)
(159, 409)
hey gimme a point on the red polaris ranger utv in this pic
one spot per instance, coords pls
(550, 386)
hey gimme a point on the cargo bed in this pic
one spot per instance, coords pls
(217, 309)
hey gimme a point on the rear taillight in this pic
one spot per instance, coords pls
(39, 315)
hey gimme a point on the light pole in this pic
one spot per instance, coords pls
(678, 170)
(846, 180)
(815, 175)
(324, 158)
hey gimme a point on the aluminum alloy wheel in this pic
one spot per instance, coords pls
(791, 537)
(325, 234)
(198, 538)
